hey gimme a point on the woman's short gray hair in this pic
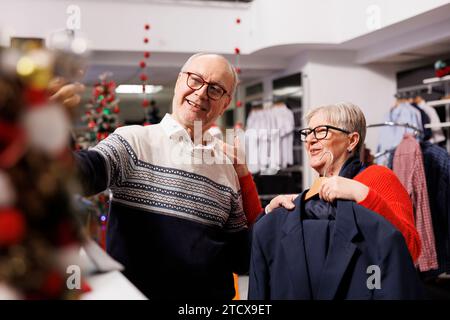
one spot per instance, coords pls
(230, 66)
(345, 115)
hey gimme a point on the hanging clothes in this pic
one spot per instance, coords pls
(291, 259)
(425, 119)
(286, 125)
(269, 139)
(436, 162)
(437, 134)
(408, 166)
(323, 251)
(391, 136)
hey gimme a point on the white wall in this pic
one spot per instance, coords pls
(181, 27)
(115, 25)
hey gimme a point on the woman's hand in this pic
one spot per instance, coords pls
(237, 156)
(284, 200)
(337, 187)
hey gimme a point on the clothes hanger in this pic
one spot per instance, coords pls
(318, 182)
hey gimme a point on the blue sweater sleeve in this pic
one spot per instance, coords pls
(92, 171)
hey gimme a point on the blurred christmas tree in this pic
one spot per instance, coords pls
(40, 234)
(102, 111)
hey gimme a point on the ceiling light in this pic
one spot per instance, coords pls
(137, 88)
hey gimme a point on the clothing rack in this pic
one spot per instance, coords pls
(417, 131)
(277, 98)
(395, 124)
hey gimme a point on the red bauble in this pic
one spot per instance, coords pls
(53, 284)
(237, 50)
(143, 77)
(91, 124)
(146, 123)
(145, 103)
(238, 20)
(116, 109)
(35, 96)
(142, 64)
(239, 103)
(12, 226)
(147, 26)
(146, 54)
(146, 40)
(111, 98)
(238, 70)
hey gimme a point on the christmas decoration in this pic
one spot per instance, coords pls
(101, 115)
(150, 108)
(37, 220)
(237, 52)
(441, 69)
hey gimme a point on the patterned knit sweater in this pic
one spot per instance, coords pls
(177, 227)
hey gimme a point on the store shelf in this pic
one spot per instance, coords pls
(436, 80)
(436, 103)
(295, 168)
(438, 125)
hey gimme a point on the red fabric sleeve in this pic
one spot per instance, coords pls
(250, 199)
(388, 197)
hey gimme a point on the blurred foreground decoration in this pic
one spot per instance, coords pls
(39, 231)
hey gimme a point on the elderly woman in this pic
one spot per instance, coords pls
(339, 130)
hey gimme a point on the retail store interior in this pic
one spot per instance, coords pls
(289, 55)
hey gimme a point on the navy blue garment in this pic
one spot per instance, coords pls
(436, 162)
(166, 257)
(279, 266)
(427, 133)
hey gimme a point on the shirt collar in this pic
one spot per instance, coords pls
(174, 129)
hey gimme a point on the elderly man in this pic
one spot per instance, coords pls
(176, 221)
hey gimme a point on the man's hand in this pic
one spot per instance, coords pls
(284, 200)
(66, 94)
(342, 188)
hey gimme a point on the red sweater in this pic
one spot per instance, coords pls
(386, 196)
(250, 199)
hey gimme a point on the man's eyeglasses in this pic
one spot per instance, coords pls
(196, 82)
(320, 132)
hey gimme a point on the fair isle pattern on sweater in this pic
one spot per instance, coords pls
(169, 191)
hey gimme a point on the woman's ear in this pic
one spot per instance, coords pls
(354, 140)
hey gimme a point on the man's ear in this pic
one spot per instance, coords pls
(176, 83)
(226, 105)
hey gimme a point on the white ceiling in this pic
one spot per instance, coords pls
(421, 39)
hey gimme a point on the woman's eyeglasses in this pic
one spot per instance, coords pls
(196, 82)
(320, 132)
